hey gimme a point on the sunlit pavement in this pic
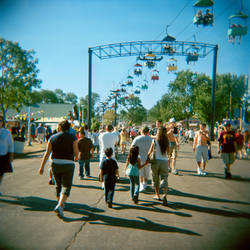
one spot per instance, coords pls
(204, 212)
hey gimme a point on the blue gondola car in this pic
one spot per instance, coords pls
(237, 27)
(206, 17)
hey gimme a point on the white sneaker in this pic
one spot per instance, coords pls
(174, 172)
(199, 171)
(59, 211)
(141, 188)
(203, 173)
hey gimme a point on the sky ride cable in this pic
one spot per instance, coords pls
(174, 19)
(220, 15)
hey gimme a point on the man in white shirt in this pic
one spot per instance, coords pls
(144, 142)
(6, 150)
(107, 140)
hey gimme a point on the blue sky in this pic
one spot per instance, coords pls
(61, 31)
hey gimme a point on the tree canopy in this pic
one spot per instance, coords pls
(189, 96)
(18, 75)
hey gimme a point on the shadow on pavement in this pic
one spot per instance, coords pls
(209, 210)
(141, 224)
(201, 197)
(33, 203)
(143, 205)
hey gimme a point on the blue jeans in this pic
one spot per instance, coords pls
(134, 186)
(84, 163)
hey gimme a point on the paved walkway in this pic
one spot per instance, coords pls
(203, 213)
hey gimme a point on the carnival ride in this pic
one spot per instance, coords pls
(152, 52)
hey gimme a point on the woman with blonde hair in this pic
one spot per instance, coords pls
(124, 139)
(159, 166)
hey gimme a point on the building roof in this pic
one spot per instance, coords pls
(39, 111)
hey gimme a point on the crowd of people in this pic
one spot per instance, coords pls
(154, 149)
(147, 150)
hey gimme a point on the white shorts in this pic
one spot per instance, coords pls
(144, 172)
(201, 152)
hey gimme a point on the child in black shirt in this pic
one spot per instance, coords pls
(109, 174)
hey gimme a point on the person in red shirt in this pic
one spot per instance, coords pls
(240, 139)
(227, 143)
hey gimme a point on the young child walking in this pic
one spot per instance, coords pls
(133, 164)
(109, 174)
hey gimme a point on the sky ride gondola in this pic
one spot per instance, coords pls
(138, 70)
(155, 75)
(193, 54)
(172, 65)
(150, 59)
(144, 86)
(206, 17)
(137, 92)
(237, 27)
(168, 49)
(129, 82)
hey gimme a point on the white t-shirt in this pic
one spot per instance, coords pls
(191, 133)
(158, 154)
(107, 140)
(144, 143)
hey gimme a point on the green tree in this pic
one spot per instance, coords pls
(48, 96)
(84, 102)
(60, 95)
(133, 111)
(70, 98)
(18, 75)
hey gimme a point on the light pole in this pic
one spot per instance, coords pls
(82, 113)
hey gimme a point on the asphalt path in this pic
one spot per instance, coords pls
(207, 212)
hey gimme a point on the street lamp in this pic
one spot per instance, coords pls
(82, 113)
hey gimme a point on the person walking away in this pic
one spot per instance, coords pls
(95, 141)
(64, 149)
(33, 132)
(48, 132)
(108, 175)
(200, 147)
(117, 133)
(227, 143)
(159, 167)
(6, 150)
(40, 133)
(86, 151)
(133, 164)
(191, 135)
(107, 139)
(144, 142)
(240, 139)
(174, 146)
(124, 140)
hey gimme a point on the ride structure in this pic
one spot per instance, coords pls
(145, 50)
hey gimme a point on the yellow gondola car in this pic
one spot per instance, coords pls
(172, 65)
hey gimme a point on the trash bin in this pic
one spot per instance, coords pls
(19, 145)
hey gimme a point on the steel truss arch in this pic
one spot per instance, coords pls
(141, 48)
